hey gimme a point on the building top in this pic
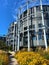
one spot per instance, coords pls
(32, 3)
(37, 2)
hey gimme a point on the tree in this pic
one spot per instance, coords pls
(2, 45)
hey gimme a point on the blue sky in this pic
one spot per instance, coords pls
(7, 10)
(8, 13)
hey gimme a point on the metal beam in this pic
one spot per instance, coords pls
(18, 32)
(28, 1)
(36, 26)
(45, 40)
(28, 29)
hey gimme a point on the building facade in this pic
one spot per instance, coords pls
(33, 25)
(36, 27)
(12, 36)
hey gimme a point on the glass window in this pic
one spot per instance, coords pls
(40, 25)
(37, 8)
(25, 41)
(33, 26)
(34, 32)
(32, 10)
(40, 37)
(47, 36)
(47, 8)
(20, 16)
(44, 8)
(21, 23)
(25, 13)
(30, 26)
(11, 40)
(40, 31)
(34, 38)
(25, 28)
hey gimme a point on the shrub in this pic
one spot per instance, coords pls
(30, 58)
(39, 57)
(4, 59)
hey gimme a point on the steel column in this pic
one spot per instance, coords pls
(36, 26)
(13, 36)
(43, 24)
(28, 28)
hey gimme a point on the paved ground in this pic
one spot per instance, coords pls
(13, 61)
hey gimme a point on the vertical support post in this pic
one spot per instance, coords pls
(43, 24)
(13, 36)
(23, 30)
(18, 32)
(28, 27)
(31, 41)
(36, 30)
(18, 37)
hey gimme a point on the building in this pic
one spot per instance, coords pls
(33, 25)
(11, 36)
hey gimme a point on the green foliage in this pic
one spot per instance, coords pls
(0, 62)
(9, 48)
(46, 55)
(2, 45)
(43, 52)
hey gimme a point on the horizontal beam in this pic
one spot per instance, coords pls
(28, 1)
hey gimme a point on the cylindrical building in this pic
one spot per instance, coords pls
(36, 20)
(32, 27)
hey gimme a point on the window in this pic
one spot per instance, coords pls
(34, 32)
(40, 37)
(32, 10)
(25, 28)
(34, 38)
(11, 40)
(29, 26)
(33, 26)
(20, 16)
(21, 23)
(20, 39)
(47, 8)
(40, 30)
(37, 8)
(25, 41)
(25, 13)
(44, 8)
(40, 25)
